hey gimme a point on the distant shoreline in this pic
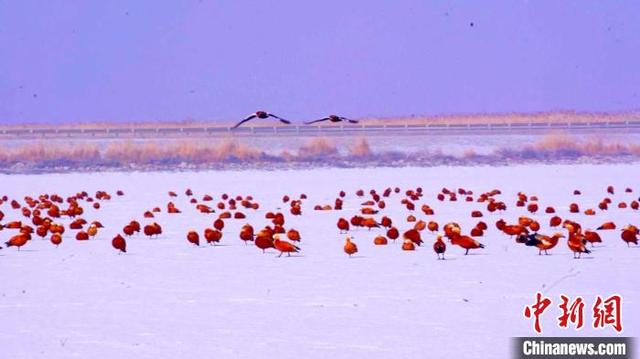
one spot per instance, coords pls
(275, 164)
(497, 118)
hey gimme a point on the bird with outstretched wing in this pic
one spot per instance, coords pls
(332, 118)
(261, 115)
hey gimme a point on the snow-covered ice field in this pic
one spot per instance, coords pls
(168, 299)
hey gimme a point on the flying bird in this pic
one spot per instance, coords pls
(261, 115)
(332, 118)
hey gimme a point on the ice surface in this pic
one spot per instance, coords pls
(167, 299)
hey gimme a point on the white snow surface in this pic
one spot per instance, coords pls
(168, 299)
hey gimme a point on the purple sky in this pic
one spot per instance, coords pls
(65, 61)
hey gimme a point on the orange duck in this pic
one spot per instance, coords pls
(413, 235)
(592, 237)
(152, 229)
(420, 225)
(343, 225)
(350, 247)
(576, 227)
(629, 234)
(264, 239)
(284, 246)
(576, 242)
(218, 224)
(450, 229)
(92, 230)
(128, 230)
(293, 235)
(119, 243)
(13, 225)
(42, 231)
(380, 240)
(534, 226)
(439, 246)
(56, 239)
(18, 240)
(465, 242)
(607, 226)
(408, 245)
(369, 222)
(246, 233)
(193, 237)
(278, 219)
(386, 222)
(393, 233)
(476, 232)
(212, 236)
(544, 243)
(514, 229)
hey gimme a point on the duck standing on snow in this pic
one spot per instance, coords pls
(576, 242)
(439, 246)
(350, 247)
(193, 237)
(343, 225)
(630, 235)
(261, 115)
(18, 240)
(542, 242)
(284, 246)
(465, 242)
(546, 242)
(119, 244)
(264, 239)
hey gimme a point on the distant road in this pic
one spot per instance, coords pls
(346, 130)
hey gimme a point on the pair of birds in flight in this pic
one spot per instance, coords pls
(264, 114)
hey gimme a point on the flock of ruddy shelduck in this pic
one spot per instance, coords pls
(50, 216)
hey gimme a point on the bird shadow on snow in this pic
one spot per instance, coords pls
(292, 256)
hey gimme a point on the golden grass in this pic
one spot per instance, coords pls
(50, 153)
(179, 151)
(169, 153)
(590, 146)
(360, 148)
(318, 147)
(562, 145)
